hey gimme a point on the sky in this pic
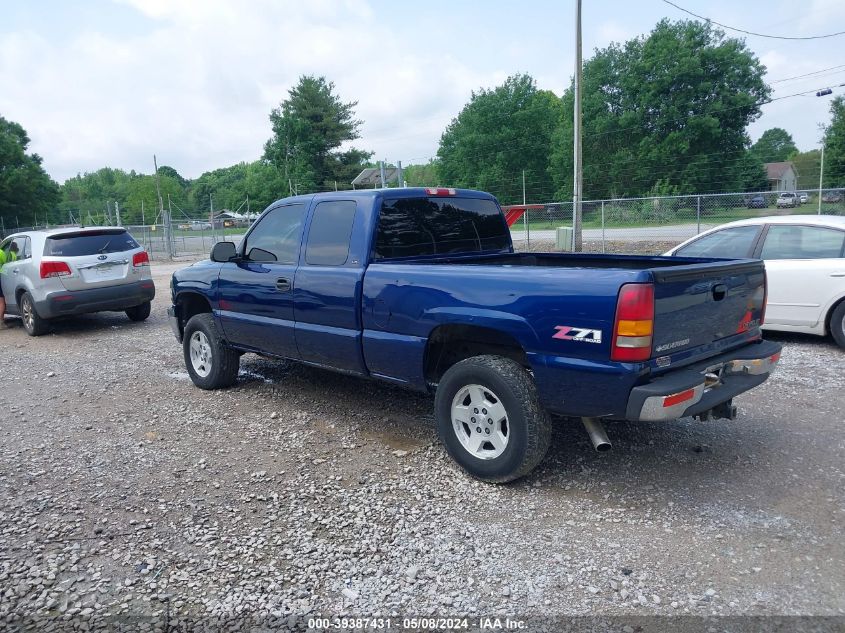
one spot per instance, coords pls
(111, 82)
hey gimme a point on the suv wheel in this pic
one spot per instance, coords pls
(139, 313)
(32, 322)
(490, 419)
(211, 363)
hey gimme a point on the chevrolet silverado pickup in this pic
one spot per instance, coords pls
(421, 287)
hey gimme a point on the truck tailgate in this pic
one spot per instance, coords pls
(701, 305)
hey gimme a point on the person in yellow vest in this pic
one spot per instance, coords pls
(5, 257)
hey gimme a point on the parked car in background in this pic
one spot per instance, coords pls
(805, 267)
(803, 197)
(757, 201)
(70, 271)
(200, 225)
(786, 199)
(832, 197)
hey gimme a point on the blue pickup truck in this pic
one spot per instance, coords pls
(421, 287)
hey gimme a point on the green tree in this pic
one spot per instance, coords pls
(774, 145)
(309, 128)
(27, 193)
(834, 145)
(807, 166)
(670, 107)
(421, 175)
(496, 136)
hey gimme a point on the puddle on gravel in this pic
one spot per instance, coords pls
(254, 375)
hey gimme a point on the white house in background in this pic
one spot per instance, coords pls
(781, 176)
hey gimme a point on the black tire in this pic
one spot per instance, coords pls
(33, 323)
(139, 313)
(221, 362)
(528, 425)
(837, 324)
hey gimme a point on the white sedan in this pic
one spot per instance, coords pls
(805, 267)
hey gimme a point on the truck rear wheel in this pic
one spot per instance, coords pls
(490, 419)
(211, 363)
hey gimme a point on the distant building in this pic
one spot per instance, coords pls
(781, 176)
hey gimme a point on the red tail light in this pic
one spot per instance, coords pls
(54, 269)
(141, 259)
(765, 296)
(634, 325)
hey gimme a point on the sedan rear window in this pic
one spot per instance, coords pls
(89, 243)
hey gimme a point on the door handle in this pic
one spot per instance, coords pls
(15, 270)
(836, 274)
(282, 284)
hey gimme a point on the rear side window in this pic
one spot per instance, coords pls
(328, 237)
(802, 242)
(730, 243)
(412, 227)
(89, 243)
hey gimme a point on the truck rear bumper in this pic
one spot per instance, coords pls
(701, 387)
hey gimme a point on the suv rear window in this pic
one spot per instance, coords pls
(89, 243)
(411, 227)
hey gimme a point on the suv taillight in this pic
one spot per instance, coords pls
(54, 269)
(765, 297)
(141, 259)
(634, 324)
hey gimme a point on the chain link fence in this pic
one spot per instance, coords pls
(655, 224)
(650, 225)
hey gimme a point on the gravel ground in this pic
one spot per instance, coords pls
(130, 494)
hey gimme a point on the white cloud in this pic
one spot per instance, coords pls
(198, 87)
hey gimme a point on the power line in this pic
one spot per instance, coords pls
(815, 72)
(772, 37)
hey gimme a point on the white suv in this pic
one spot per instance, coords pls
(74, 270)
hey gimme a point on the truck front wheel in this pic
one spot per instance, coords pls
(490, 419)
(211, 364)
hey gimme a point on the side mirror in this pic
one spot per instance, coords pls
(223, 252)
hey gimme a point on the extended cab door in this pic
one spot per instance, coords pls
(255, 298)
(327, 297)
(805, 270)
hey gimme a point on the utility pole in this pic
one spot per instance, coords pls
(821, 172)
(381, 173)
(211, 216)
(525, 212)
(400, 177)
(578, 172)
(117, 212)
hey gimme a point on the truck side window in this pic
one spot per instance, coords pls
(328, 237)
(277, 235)
(410, 227)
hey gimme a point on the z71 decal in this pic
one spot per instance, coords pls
(580, 334)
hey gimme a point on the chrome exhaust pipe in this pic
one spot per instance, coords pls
(597, 435)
